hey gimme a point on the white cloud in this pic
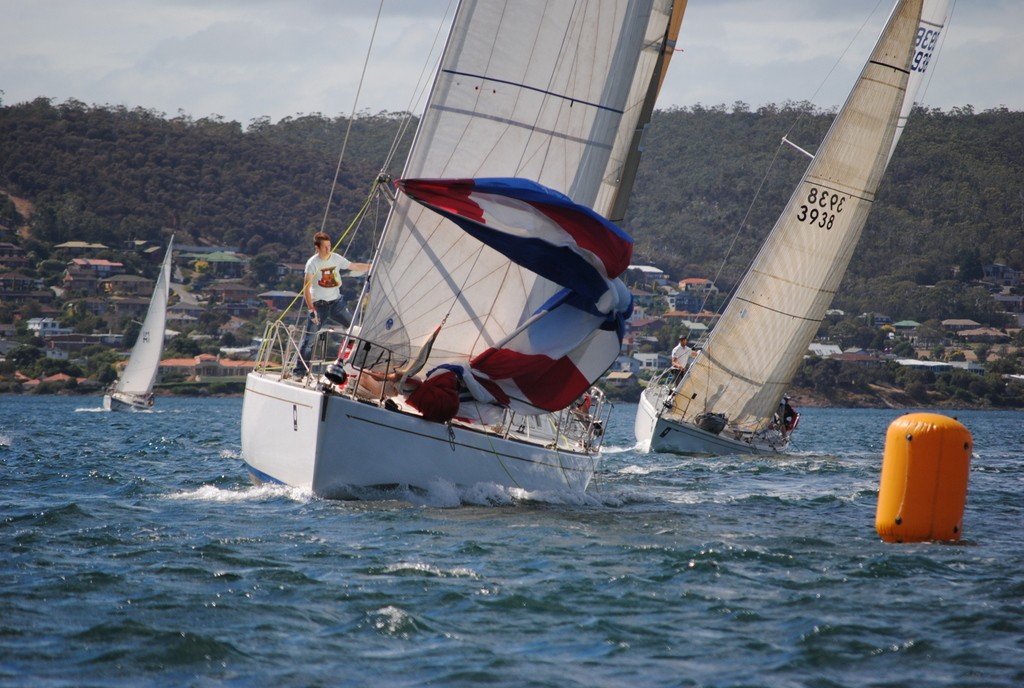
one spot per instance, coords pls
(244, 59)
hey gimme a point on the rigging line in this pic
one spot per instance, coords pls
(351, 118)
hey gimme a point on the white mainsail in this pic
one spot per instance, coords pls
(756, 348)
(141, 369)
(550, 91)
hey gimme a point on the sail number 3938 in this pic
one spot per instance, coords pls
(820, 208)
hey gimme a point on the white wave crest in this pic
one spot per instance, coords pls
(260, 493)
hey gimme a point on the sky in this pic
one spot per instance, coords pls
(244, 60)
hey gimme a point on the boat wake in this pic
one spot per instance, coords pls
(100, 409)
(441, 494)
(261, 493)
(621, 449)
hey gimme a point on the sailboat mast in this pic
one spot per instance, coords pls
(632, 162)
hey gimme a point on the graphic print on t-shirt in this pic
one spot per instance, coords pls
(328, 278)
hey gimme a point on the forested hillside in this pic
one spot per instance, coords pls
(953, 196)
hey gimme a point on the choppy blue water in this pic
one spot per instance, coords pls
(134, 552)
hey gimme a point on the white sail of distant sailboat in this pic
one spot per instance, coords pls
(730, 399)
(494, 300)
(134, 389)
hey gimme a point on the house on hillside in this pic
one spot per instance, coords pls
(858, 357)
(642, 298)
(1012, 303)
(941, 366)
(876, 319)
(16, 287)
(127, 285)
(204, 367)
(84, 274)
(279, 300)
(1004, 275)
(218, 262)
(906, 327)
(296, 270)
(63, 347)
(984, 334)
(649, 326)
(706, 318)
(46, 327)
(129, 307)
(698, 285)
(225, 265)
(652, 361)
(621, 380)
(13, 257)
(685, 301)
(79, 248)
(959, 324)
(625, 364)
(824, 350)
(228, 291)
(649, 272)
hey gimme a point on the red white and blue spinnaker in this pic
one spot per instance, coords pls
(553, 357)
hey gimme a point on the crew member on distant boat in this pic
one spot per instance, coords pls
(322, 292)
(786, 417)
(681, 357)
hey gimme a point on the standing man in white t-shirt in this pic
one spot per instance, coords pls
(681, 358)
(322, 292)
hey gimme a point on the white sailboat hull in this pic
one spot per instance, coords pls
(657, 433)
(119, 401)
(329, 444)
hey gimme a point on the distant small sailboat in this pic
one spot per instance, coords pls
(133, 391)
(731, 399)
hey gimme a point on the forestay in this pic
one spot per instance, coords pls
(562, 113)
(757, 346)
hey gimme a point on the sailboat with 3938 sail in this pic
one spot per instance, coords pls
(731, 398)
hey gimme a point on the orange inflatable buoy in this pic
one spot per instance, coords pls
(923, 486)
